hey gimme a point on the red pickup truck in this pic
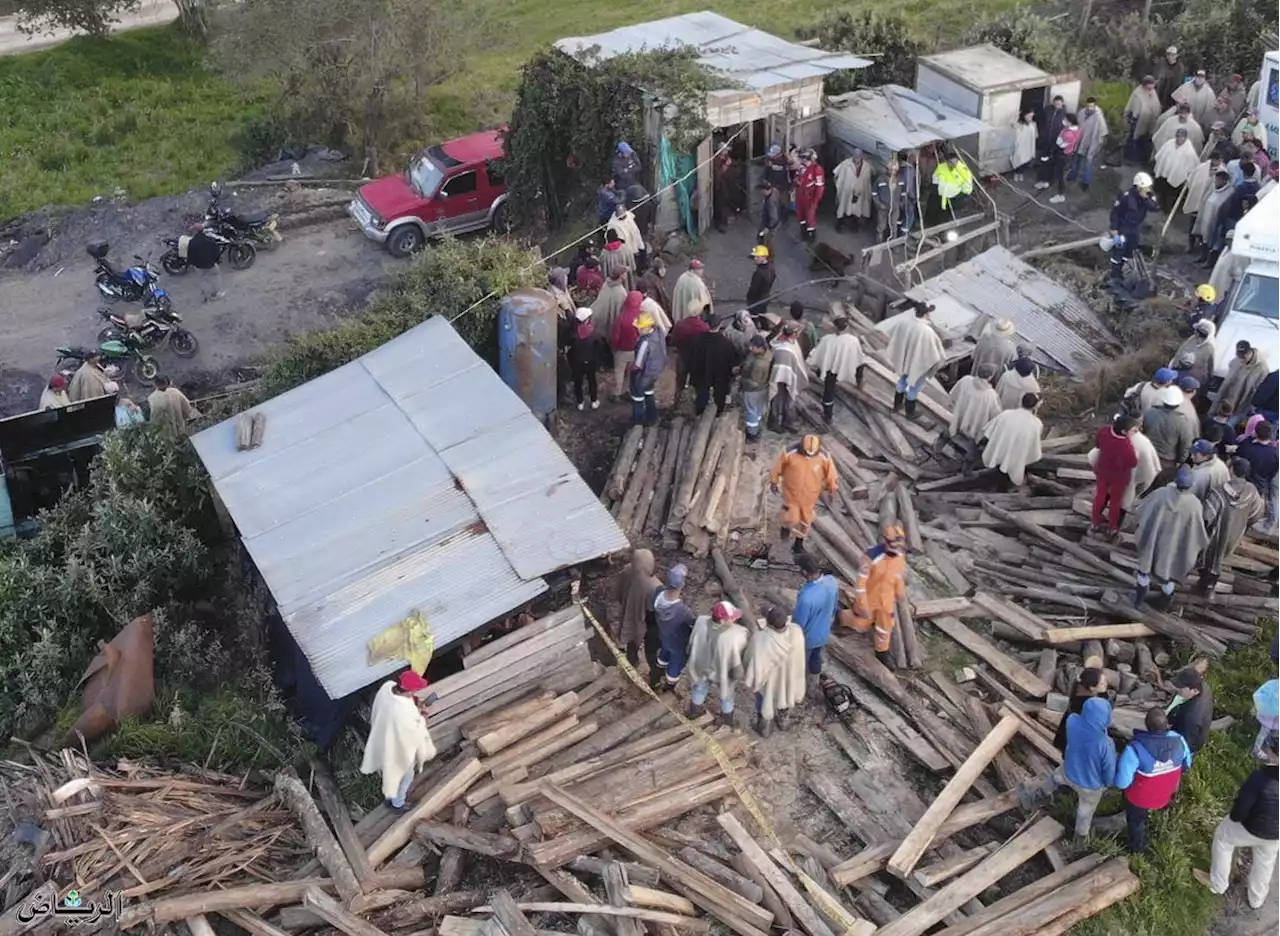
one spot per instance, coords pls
(452, 188)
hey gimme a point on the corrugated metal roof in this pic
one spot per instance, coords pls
(410, 478)
(867, 114)
(751, 57)
(987, 68)
(1068, 335)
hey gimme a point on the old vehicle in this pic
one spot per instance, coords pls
(1250, 312)
(452, 188)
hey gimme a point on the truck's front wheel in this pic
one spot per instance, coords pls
(404, 241)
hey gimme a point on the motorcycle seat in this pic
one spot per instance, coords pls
(250, 218)
(134, 319)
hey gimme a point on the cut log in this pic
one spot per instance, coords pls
(453, 859)
(509, 733)
(658, 900)
(907, 627)
(1006, 611)
(736, 913)
(1047, 665)
(1009, 773)
(615, 889)
(1094, 903)
(623, 729)
(1037, 737)
(622, 465)
(1059, 635)
(683, 923)
(322, 841)
(636, 873)
(1024, 895)
(770, 900)
(942, 561)
(481, 843)
(725, 427)
(539, 747)
(412, 912)
(1060, 543)
(910, 521)
(677, 437)
(509, 914)
(1015, 852)
(1021, 677)
(333, 913)
(928, 608)
(686, 476)
(1144, 665)
(336, 809)
(801, 912)
(740, 885)
(252, 923)
(851, 813)
(452, 786)
(1091, 654)
(915, 844)
(1032, 916)
(640, 487)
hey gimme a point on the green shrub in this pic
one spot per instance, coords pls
(1225, 37)
(1030, 36)
(884, 38)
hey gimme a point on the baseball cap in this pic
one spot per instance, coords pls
(676, 576)
(695, 264)
(1188, 678)
(1243, 346)
(1165, 375)
(413, 682)
(725, 611)
(1202, 447)
(1183, 478)
(1187, 382)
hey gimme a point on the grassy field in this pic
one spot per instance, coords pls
(139, 111)
(142, 112)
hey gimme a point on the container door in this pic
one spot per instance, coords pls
(705, 186)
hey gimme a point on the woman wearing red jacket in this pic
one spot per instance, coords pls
(1113, 471)
(624, 339)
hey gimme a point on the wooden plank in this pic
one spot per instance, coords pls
(1008, 612)
(335, 808)
(933, 607)
(482, 843)
(636, 873)
(1024, 895)
(800, 910)
(937, 872)
(1094, 903)
(915, 844)
(1134, 631)
(452, 786)
(743, 886)
(473, 728)
(737, 913)
(333, 913)
(1014, 853)
(510, 915)
(615, 889)
(1031, 732)
(1034, 914)
(642, 896)
(1021, 677)
(624, 729)
(519, 635)
(687, 924)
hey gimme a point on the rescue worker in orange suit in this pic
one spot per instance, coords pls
(882, 580)
(802, 473)
(809, 189)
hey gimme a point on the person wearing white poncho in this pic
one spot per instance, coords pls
(1017, 382)
(974, 403)
(1175, 161)
(716, 648)
(915, 350)
(837, 359)
(399, 743)
(1012, 442)
(776, 670)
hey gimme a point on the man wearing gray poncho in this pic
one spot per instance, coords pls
(1228, 511)
(1170, 536)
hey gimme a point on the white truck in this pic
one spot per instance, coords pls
(1252, 309)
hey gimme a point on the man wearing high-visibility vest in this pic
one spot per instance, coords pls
(954, 181)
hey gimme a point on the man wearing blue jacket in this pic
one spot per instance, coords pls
(1149, 772)
(1089, 764)
(1128, 212)
(815, 609)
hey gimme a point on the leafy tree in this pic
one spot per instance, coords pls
(1029, 36)
(1225, 37)
(352, 73)
(94, 17)
(570, 114)
(884, 38)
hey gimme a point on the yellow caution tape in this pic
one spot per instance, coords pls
(829, 905)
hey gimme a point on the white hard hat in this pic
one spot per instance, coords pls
(1143, 181)
(1170, 396)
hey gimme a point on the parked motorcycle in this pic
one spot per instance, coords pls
(151, 328)
(122, 353)
(239, 253)
(139, 283)
(260, 227)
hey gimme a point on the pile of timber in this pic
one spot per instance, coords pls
(690, 483)
(550, 653)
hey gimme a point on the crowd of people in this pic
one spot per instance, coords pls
(164, 405)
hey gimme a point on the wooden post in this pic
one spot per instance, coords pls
(336, 808)
(465, 772)
(914, 845)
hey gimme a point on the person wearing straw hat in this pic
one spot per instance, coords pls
(690, 295)
(996, 346)
(716, 650)
(882, 581)
(399, 743)
(1170, 535)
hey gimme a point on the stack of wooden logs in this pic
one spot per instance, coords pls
(692, 482)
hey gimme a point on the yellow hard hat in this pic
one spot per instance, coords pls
(895, 537)
(644, 320)
(811, 444)
(760, 251)
(1206, 293)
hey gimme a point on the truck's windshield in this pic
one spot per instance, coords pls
(1258, 295)
(425, 176)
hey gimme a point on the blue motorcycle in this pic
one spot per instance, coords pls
(135, 284)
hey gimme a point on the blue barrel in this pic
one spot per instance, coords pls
(527, 348)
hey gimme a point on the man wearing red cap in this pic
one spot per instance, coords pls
(716, 651)
(54, 396)
(399, 743)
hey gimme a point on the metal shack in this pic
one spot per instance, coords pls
(886, 120)
(773, 88)
(411, 479)
(990, 84)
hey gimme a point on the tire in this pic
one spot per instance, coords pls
(173, 264)
(405, 241)
(103, 282)
(108, 334)
(241, 255)
(183, 343)
(148, 367)
(501, 221)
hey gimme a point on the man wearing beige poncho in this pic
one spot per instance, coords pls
(716, 648)
(974, 403)
(1012, 442)
(776, 670)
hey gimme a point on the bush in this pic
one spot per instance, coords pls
(884, 38)
(1225, 38)
(119, 547)
(1029, 36)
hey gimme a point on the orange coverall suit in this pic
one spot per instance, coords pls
(882, 582)
(803, 479)
(813, 182)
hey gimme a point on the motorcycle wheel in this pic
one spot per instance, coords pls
(183, 343)
(103, 282)
(109, 334)
(173, 264)
(241, 255)
(148, 367)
